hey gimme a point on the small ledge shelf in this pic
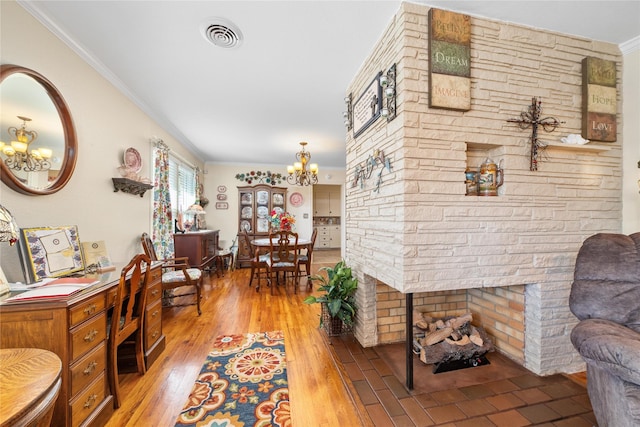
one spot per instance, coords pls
(130, 186)
(577, 147)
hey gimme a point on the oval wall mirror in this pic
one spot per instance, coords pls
(38, 146)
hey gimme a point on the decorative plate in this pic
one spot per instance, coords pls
(296, 199)
(263, 211)
(132, 159)
(262, 197)
(246, 212)
(278, 199)
(246, 199)
(245, 225)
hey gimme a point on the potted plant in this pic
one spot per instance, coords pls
(338, 300)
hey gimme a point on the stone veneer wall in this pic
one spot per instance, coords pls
(420, 233)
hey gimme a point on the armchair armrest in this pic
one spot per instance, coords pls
(610, 346)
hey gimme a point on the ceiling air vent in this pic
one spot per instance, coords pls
(222, 33)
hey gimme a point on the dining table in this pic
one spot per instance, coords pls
(263, 244)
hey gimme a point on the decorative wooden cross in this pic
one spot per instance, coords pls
(531, 118)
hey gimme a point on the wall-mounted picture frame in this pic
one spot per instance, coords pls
(221, 197)
(367, 107)
(51, 251)
(222, 205)
(222, 188)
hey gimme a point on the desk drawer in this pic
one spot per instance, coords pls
(153, 325)
(154, 293)
(85, 310)
(88, 368)
(156, 275)
(88, 401)
(88, 335)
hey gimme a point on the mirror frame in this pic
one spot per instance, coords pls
(70, 145)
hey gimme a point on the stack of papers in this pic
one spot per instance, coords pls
(57, 288)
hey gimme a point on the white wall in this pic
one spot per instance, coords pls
(106, 123)
(226, 220)
(631, 137)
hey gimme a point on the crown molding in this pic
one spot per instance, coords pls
(630, 46)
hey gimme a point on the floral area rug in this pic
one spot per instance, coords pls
(242, 383)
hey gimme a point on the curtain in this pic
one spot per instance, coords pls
(162, 218)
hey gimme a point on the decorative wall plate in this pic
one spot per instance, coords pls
(222, 189)
(296, 199)
(132, 159)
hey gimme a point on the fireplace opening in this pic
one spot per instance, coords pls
(450, 343)
(497, 313)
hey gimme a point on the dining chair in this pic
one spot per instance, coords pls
(305, 259)
(176, 273)
(127, 319)
(283, 257)
(225, 258)
(258, 261)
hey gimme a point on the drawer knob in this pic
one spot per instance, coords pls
(91, 335)
(155, 334)
(154, 292)
(90, 368)
(90, 310)
(90, 401)
(154, 314)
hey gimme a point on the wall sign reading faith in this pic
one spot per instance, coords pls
(367, 108)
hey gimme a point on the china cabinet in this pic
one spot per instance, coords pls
(255, 204)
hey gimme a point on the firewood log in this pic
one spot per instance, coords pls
(457, 322)
(476, 338)
(463, 341)
(437, 336)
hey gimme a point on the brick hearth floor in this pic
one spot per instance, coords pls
(500, 394)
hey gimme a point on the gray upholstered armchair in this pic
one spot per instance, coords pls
(605, 296)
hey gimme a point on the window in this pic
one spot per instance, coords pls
(182, 185)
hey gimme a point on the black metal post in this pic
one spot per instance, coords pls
(409, 334)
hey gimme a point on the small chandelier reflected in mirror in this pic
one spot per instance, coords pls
(300, 173)
(18, 155)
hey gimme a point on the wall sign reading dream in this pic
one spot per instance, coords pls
(449, 60)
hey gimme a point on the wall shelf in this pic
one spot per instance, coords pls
(575, 147)
(130, 186)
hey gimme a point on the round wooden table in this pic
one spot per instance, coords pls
(30, 379)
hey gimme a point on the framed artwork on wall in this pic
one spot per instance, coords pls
(51, 251)
(366, 109)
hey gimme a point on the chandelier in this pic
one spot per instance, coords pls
(18, 155)
(298, 173)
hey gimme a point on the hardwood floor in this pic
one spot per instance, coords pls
(319, 396)
(326, 376)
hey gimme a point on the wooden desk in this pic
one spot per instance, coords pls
(75, 329)
(30, 379)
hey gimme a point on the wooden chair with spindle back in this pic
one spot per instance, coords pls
(176, 273)
(283, 257)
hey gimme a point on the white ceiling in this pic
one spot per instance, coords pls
(287, 81)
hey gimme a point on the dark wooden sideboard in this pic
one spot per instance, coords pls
(201, 247)
(75, 329)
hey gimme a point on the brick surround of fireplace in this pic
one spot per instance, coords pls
(500, 311)
(508, 259)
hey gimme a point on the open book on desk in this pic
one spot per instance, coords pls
(55, 289)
